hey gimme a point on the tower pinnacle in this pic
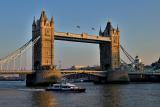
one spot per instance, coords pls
(52, 19)
(100, 31)
(117, 28)
(34, 22)
(43, 15)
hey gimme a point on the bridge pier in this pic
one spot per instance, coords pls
(118, 76)
(43, 78)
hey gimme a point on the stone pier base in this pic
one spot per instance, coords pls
(117, 77)
(114, 76)
(43, 78)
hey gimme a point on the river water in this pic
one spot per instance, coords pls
(15, 94)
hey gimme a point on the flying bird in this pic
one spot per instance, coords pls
(93, 28)
(78, 26)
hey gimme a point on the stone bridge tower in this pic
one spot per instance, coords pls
(42, 52)
(110, 52)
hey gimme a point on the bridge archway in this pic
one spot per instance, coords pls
(83, 76)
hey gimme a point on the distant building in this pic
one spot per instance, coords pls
(79, 67)
(156, 65)
(137, 64)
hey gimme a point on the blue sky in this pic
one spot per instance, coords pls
(138, 21)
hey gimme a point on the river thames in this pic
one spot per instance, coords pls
(15, 94)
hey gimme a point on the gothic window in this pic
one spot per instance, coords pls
(115, 56)
(115, 63)
(47, 53)
(47, 32)
(46, 61)
(115, 40)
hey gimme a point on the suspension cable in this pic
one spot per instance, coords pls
(19, 51)
(127, 54)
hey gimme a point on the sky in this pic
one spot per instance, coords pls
(138, 21)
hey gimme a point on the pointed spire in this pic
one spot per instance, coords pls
(109, 25)
(100, 31)
(108, 30)
(52, 20)
(43, 9)
(159, 60)
(34, 22)
(43, 15)
(117, 28)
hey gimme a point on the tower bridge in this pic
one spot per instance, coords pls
(42, 44)
(43, 51)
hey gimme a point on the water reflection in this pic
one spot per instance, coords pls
(111, 96)
(130, 95)
(43, 99)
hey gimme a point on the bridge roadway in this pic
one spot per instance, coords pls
(16, 71)
(68, 72)
(84, 37)
(63, 72)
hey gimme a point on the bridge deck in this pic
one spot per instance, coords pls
(84, 37)
(64, 72)
(16, 71)
(67, 72)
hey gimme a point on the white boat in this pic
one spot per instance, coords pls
(65, 87)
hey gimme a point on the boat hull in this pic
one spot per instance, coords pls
(67, 90)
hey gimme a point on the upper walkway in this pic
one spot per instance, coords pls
(84, 37)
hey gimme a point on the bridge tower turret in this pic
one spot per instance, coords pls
(43, 56)
(110, 52)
